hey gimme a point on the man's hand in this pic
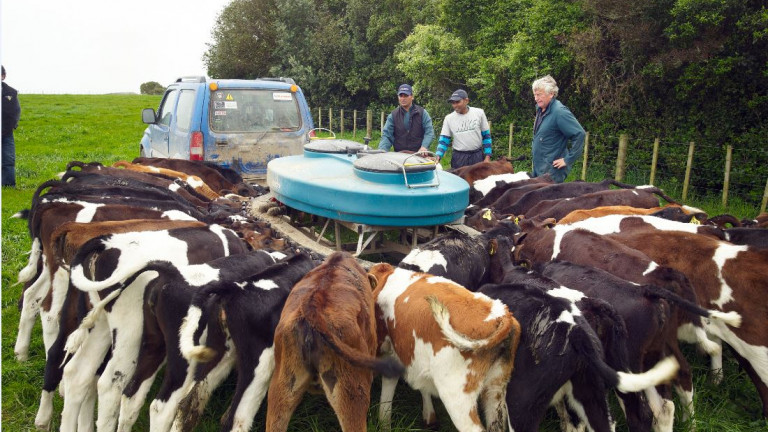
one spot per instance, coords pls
(559, 163)
(487, 158)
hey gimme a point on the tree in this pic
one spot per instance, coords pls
(244, 40)
(152, 88)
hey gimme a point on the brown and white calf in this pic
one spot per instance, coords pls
(579, 215)
(455, 344)
(327, 335)
(730, 278)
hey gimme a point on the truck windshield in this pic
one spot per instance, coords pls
(252, 110)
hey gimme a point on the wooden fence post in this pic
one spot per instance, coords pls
(368, 124)
(354, 124)
(688, 167)
(655, 160)
(511, 139)
(621, 158)
(765, 198)
(727, 178)
(319, 117)
(341, 122)
(381, 129)
(586, 156)
(330, 119)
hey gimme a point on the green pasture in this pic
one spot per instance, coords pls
(56, 129)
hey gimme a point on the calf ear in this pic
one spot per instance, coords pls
(373, 281)
(493, 246)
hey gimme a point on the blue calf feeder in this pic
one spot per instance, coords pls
(346, 182)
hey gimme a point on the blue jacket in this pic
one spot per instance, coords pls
(550, 141)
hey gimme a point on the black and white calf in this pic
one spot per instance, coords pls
(252, 309)
(166, 302)
(560, 359)
(112, 260)
(459, 257)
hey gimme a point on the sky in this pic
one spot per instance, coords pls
(103, 46)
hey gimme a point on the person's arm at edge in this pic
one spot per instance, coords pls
(429, 131)
(572, 129)
(387, 134)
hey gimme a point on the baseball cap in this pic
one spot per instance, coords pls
(405, 88)
(458, 95)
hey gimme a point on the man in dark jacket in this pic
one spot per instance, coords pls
(554, 129)
(409, 126)
(11, 113)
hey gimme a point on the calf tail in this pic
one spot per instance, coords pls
(661, 193)
(21, 214)
(732, 319)
(30, 270)
(76, 338)
(663, 371)
(193, 324)
(463, 342)
(390, 367)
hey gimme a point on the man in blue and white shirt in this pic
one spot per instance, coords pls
(470, 131)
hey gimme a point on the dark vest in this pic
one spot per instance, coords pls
(408, 139)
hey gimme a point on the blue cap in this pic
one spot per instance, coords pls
(405, 88)
(458, 95)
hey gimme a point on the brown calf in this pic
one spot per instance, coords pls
(327, 335)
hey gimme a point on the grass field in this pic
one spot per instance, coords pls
(57, 129)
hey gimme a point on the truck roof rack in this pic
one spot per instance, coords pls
(191, 79)
(282, 79)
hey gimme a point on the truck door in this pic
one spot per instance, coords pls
(159, 131)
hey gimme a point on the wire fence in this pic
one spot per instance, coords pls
(686, 170)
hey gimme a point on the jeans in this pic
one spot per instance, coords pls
(9, 160)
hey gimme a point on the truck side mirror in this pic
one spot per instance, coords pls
(148, 116)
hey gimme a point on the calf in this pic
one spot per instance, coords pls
(560, 358)
(507, 192)
(252, 310)
(481, 170)
(464, 352)
(167, 300)
(194, 181)
(561, 190)
(756, 238)
(675, 212)
(726, 276)
(541, 245)
(222, 180)
(559, 208)
(480, 188)
(459, 257)
(327, 334)
(112, 260)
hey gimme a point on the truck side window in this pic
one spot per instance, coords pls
(166, 108)
(185, 109)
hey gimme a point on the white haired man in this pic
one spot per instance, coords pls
(558, 138)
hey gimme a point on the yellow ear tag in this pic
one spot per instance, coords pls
(487, 214)
(517, 220)
(695, 221)
(493, 249)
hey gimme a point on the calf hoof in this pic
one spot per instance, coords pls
(21, 355)
(433, 426)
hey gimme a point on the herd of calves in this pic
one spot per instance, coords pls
(567, 292)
